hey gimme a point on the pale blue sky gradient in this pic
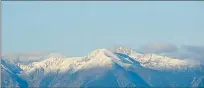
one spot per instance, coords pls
(77, 28)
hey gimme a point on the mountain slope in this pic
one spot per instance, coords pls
(9, 75)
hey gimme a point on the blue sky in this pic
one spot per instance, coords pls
(77, 28)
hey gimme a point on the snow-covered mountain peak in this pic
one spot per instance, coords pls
(127, 51)
(96, 53)
(98, 57)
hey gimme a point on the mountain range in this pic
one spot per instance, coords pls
(118, 67)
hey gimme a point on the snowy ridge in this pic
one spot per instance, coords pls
(122, 64)
(104, 57)
(62, 64)
(52, 64)
(159, 62)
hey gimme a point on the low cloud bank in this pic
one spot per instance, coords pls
(187, 52)
(158, 48)
(194, 49)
